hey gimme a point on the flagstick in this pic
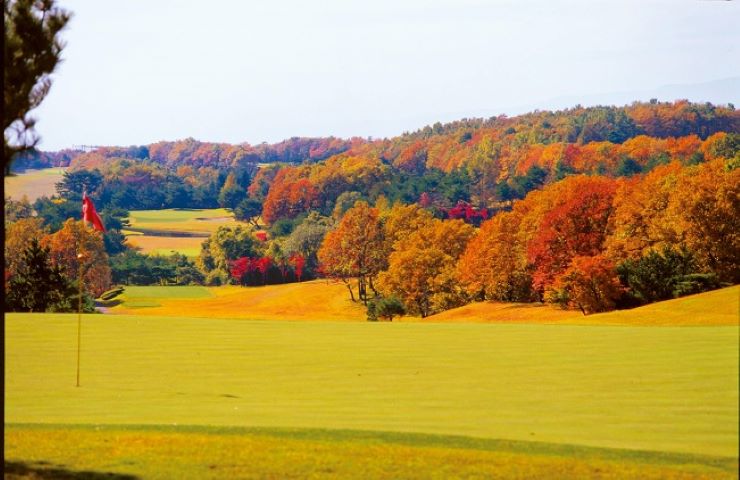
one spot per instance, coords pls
(79, 316)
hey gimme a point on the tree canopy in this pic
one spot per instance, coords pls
(31, 52)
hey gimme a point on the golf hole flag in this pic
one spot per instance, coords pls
(90, 215)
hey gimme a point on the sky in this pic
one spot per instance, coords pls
(136, 72)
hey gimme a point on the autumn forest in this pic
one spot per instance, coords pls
(588, 208)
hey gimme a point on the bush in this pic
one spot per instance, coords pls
(216, 278)
(695, 283)
(664, 275)
(112, 293)
(285, 226)
(372, 311)
(386, 308)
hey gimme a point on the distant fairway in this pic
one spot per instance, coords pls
(34, 183)
(180, 220)
(180, 230)
(165, 245)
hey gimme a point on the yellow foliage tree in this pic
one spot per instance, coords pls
(422, 268)
(705, 204)
(355, 249)
(18, 236)
(641, 221)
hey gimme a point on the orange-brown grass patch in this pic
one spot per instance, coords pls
(188, 246)
(186, 452)
(718, 307)
(33, 183)
(501, 312)
(314, 300)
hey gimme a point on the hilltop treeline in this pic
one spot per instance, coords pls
(41, 159)
(190, 152)
(485, 162)
(223, 156)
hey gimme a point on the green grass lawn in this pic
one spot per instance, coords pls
(33, 183)
(146, 297)
(671, 389)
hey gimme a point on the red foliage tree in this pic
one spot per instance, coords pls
(298, 261)
(589, 283)
(262, 265)
(575, 226)
(239, 268)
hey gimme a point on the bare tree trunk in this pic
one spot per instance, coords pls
(349, 287)
(372, 286)
(362, 289)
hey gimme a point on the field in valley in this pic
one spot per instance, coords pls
(33, 183)
(238, 397)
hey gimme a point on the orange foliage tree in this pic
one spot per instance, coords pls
(494, 264)
(640, 221)
(355, 249)
(402, 220)
(589, 283)
(288, 197)
(73, 238)
(575, 226)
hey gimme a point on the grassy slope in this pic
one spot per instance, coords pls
(719, 307)
(316, 300)
(33, 183)
(668, 389)
(209, 452)
(320, 300)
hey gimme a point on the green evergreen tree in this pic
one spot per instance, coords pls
(38, 286)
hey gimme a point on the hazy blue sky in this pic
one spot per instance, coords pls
(139, 71)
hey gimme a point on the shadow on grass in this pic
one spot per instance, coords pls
(44, 470)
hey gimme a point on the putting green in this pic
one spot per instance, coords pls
(649, 388)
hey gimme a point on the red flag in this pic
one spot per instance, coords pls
(90, 215)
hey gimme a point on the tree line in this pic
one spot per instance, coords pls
(588, 242)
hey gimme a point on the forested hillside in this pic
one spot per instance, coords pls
(590, 208)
